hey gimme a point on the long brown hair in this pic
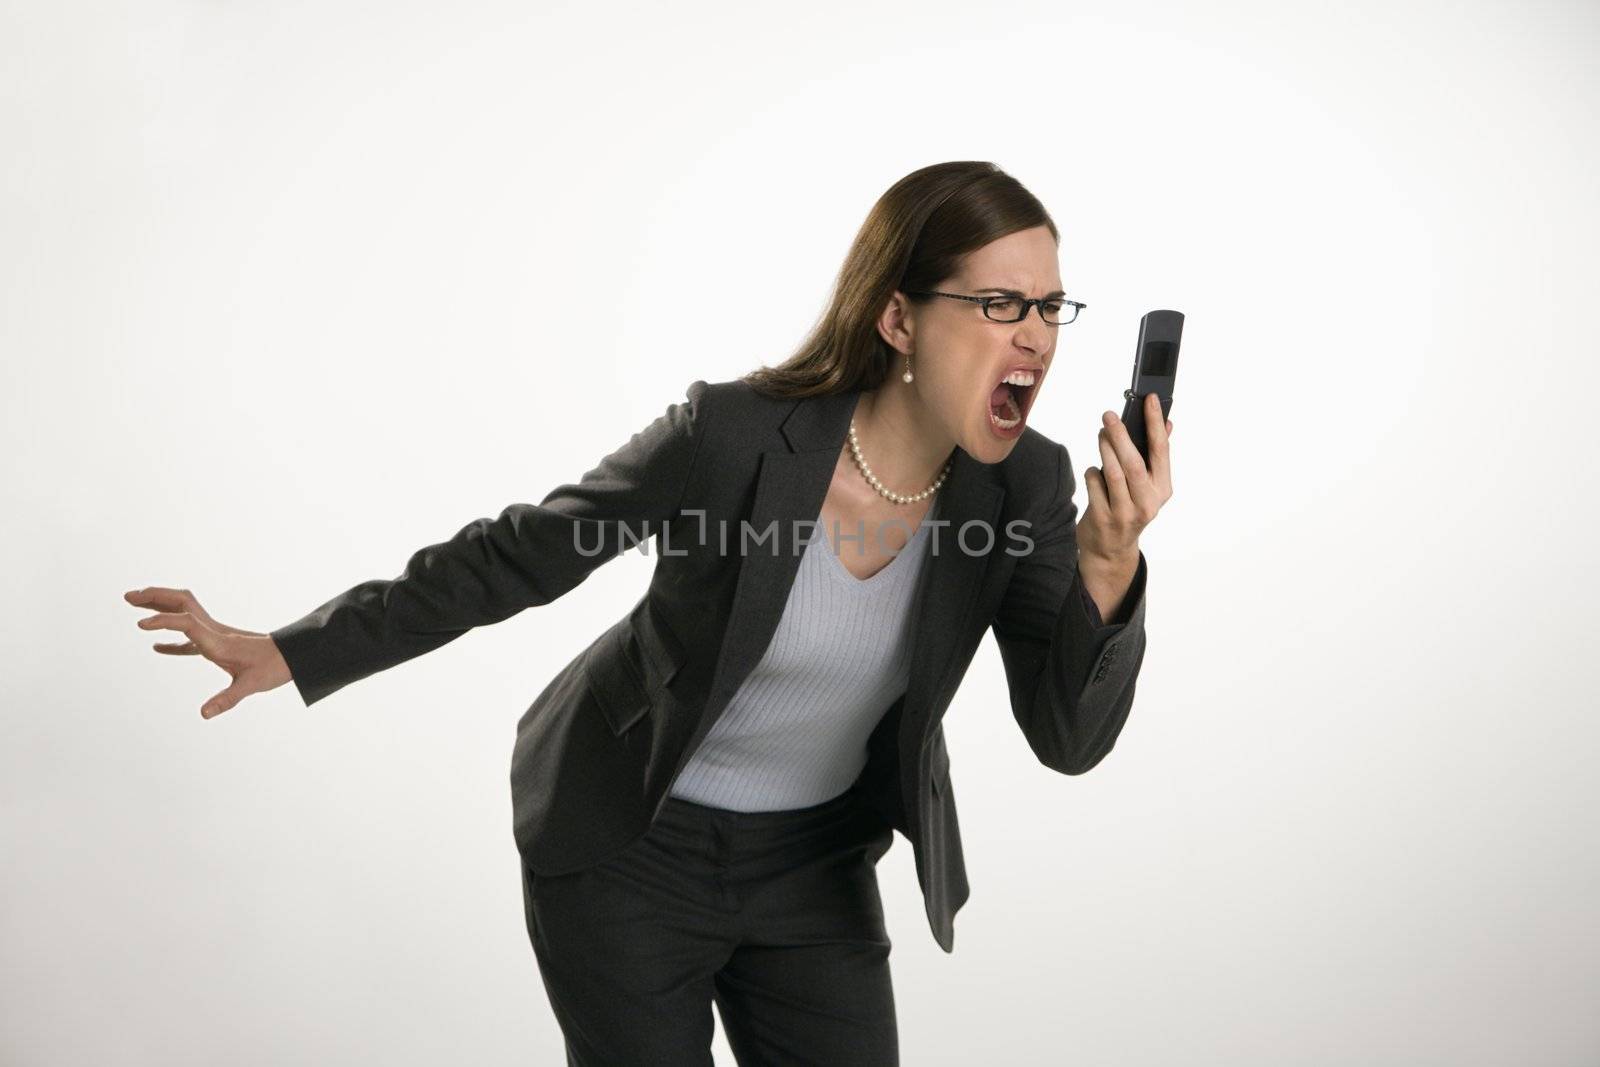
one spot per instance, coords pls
(913, 238)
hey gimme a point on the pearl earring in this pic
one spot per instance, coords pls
(906, 377)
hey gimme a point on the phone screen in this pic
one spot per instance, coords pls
(1160, 357)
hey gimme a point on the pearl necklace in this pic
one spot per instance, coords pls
(886, 493)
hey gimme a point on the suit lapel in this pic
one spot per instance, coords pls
(971, 496)
(791, 485)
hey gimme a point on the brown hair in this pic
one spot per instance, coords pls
(913, 238)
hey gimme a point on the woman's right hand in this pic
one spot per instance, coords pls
(251, 658)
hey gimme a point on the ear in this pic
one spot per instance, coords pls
(896, 324)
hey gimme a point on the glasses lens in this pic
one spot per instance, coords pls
(1004, 309)
(1058, 312)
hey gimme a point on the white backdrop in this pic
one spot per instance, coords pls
(293, 289)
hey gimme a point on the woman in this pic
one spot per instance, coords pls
(701, 797)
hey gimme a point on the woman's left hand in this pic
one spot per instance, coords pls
(1124, 495)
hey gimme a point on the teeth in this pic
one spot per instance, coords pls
(1019, 377)
(1006, 424)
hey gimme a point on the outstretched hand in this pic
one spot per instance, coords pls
(251, 658)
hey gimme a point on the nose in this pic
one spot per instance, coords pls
(1033, 328)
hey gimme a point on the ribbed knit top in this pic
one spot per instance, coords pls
(795, 734)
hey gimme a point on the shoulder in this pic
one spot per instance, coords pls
(732, 395)
(736, 412)
(736, 396)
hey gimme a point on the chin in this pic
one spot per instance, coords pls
(986, 449)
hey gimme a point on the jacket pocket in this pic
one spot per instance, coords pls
(628, 665)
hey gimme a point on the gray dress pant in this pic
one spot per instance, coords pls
(775, 916)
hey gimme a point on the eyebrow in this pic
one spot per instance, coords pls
(1016, 292)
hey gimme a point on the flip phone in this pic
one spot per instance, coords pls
(1155, 369)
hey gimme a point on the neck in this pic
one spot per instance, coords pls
(905, 446)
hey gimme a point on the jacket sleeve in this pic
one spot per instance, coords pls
(1071, 680)
(494, 568)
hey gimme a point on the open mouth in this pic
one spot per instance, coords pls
(1011, 398)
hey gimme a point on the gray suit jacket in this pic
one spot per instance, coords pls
(599, 747)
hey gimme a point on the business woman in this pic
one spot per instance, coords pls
(700, 798)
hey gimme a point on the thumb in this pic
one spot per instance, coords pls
(1094, 488)
(224, 700)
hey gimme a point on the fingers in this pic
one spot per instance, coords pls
(1157, 431)
(1140, 491)
(162, 598)
(200, 637)
(1114, 482)
(1133, 467)
(169, 620)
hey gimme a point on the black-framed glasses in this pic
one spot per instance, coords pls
(1054, 310)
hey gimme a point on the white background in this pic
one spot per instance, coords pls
(293, 289)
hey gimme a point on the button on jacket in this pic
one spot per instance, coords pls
(726, 483)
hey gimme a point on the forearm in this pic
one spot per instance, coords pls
(1071, 675)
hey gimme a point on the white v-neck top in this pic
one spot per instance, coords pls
(795, 734)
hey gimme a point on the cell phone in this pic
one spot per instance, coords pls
(1155, 369)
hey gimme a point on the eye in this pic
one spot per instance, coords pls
(1004, 304)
